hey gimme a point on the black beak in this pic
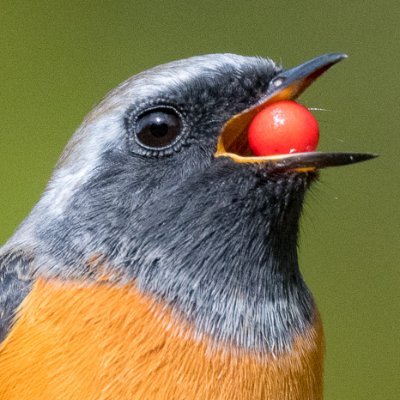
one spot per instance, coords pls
(287, 85)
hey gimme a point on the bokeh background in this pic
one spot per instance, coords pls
(58, 58)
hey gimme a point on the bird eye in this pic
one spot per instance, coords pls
(157, 129)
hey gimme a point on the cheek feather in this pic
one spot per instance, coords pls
(75, 168)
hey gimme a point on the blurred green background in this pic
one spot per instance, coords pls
(58, 58)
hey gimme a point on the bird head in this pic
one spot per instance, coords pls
(159, 183)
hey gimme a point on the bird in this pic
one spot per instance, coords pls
(161, 260)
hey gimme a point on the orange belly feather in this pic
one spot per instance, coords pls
(97, 341)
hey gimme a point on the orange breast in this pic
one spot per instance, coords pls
(98, 342)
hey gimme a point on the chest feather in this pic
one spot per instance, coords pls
(102, 342)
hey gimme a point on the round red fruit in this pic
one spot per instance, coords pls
(281, 128)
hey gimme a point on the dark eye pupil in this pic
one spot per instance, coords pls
(158, 128)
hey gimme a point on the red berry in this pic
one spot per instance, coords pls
(281, 128)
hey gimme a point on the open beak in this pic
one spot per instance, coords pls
(287, 85)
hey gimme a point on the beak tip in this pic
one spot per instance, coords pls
(353, 158)
(334, 58)
(370, 156)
